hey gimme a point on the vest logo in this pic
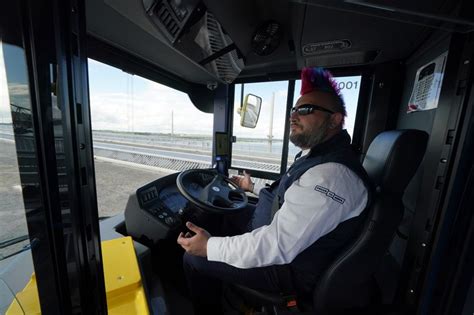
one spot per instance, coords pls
(330, 194)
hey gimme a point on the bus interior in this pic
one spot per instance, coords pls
(402, 65)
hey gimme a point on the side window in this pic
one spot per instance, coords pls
(260, 148)
(141, 130)
(14, 103)
(19, 181)
(349, 87)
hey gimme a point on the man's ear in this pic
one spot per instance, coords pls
(336, 120)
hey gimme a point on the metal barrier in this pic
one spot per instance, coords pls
(151, 160)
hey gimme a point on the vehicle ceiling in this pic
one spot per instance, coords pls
(372, 32)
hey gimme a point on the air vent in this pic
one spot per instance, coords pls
(167, 18)
(191, 23)
(267, 38)
(228, 66)
(171, 16)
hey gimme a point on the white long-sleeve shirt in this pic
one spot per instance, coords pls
(324, 196)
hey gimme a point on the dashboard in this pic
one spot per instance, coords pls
(156, 210)
(165, 193)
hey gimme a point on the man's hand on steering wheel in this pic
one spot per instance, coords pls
(194, 244)
(244, 182)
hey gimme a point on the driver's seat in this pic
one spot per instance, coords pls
(348, 283)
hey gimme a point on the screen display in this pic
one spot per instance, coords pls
(222, 144)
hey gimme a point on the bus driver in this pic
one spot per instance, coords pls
(320, 202)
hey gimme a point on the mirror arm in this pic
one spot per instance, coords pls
(242, 96)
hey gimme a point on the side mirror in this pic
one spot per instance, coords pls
(250, 111)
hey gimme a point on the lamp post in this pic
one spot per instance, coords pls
(270, 128)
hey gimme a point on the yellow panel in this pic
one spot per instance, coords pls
(14, 308)
(123, 285)
(27, 301)
(125, 294)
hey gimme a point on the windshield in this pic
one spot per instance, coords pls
(141, 131)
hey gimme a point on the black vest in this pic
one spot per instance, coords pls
(308, 266)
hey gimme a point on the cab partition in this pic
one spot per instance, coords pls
(442, 54)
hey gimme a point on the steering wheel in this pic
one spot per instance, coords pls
(211, 191)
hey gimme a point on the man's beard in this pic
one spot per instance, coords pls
(311, 137)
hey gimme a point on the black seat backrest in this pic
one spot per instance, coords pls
(391, 161)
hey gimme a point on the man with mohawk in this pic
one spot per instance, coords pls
(317, 208)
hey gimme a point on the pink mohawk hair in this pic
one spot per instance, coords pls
(318, 79)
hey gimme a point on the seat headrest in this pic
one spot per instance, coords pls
(393, 157)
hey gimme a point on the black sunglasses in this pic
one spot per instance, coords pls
(307, 109)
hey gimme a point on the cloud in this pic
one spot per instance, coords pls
(13, 93)
(19, 95)
(18, 89)
(150, 110)
(5, 116)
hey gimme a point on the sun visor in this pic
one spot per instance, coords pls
(195, 32)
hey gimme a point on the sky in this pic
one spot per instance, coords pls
(3, 90)
(17, 93)
(124, 102)
(120, 101)
(5, 116)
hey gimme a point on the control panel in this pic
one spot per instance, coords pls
(153, 212)
(163, 214)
